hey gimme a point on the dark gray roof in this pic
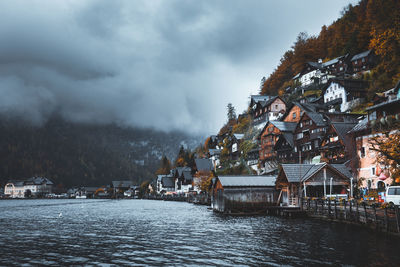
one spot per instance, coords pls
(313, 170)
(342, 128)
(295, 172)
(257, 98)
(315, 65)
(247, 181)
(342, 169)
(187, 175)
(168, 181)
(361, 55)
(204, 164)
(16, 182)
(124, 183)
(361, 126)
(289, 137)
(318, 118)
(330, 62)
(284, 126)
(38, 181)
(396, 101)
(180, 170)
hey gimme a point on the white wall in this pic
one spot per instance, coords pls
(335, 91)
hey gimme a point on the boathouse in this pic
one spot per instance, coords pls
(312, 180)
(243, 194)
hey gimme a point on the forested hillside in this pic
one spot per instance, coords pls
(77, 154)
(372, 24)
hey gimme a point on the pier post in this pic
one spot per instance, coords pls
(316, 207)
(386, 220)
(350, 210)
(375, 218)
(329, 207)
(365, 212)
(396, 209)
(335, 208)
(345, 209)
(357, 213)
(323, 207)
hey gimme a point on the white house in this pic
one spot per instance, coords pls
(344, 93)
(34, 186)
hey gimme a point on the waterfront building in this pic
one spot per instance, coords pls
(312, 180)
(231, 194)
(382, 117)
(34, 186)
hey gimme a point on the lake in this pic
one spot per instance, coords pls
(150, 232)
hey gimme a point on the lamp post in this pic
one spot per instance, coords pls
(330, 190)
(351, 187)
(305, 189)
(324, 182)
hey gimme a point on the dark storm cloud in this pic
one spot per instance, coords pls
(163, 64)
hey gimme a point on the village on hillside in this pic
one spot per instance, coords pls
(320, 139)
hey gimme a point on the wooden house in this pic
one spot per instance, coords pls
(308, 135)
(234, 146)
(241, 194)
(336, 144)
(362, 62)
(344, 94)
(285, 149)
(271, 109)
(337, 66)
(312, 180)
(268, 138)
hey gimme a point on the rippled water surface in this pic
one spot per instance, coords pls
(146, 232)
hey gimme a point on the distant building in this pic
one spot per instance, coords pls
(363, 62)
(35, 186)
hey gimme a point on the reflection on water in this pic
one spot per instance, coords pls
(144, 232)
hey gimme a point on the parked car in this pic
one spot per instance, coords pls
(393, 195)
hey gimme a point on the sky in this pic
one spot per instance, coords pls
(168, 65)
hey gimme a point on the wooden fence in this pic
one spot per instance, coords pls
(382, 218)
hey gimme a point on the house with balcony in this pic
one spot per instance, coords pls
(344, 94)
(363, 62)
(272, 109)
(336, 144)
(268, 138)
(308, 135)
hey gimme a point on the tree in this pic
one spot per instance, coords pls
(231, 112)
(204, 180)
(165, 167)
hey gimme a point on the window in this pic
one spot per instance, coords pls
(341, 68)
(301, 125)
(373, 171)
(276, 106)
(372, 116)
(363, 60)
(316, 143)
(299, 136)
(362, 152)
(294, 115)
